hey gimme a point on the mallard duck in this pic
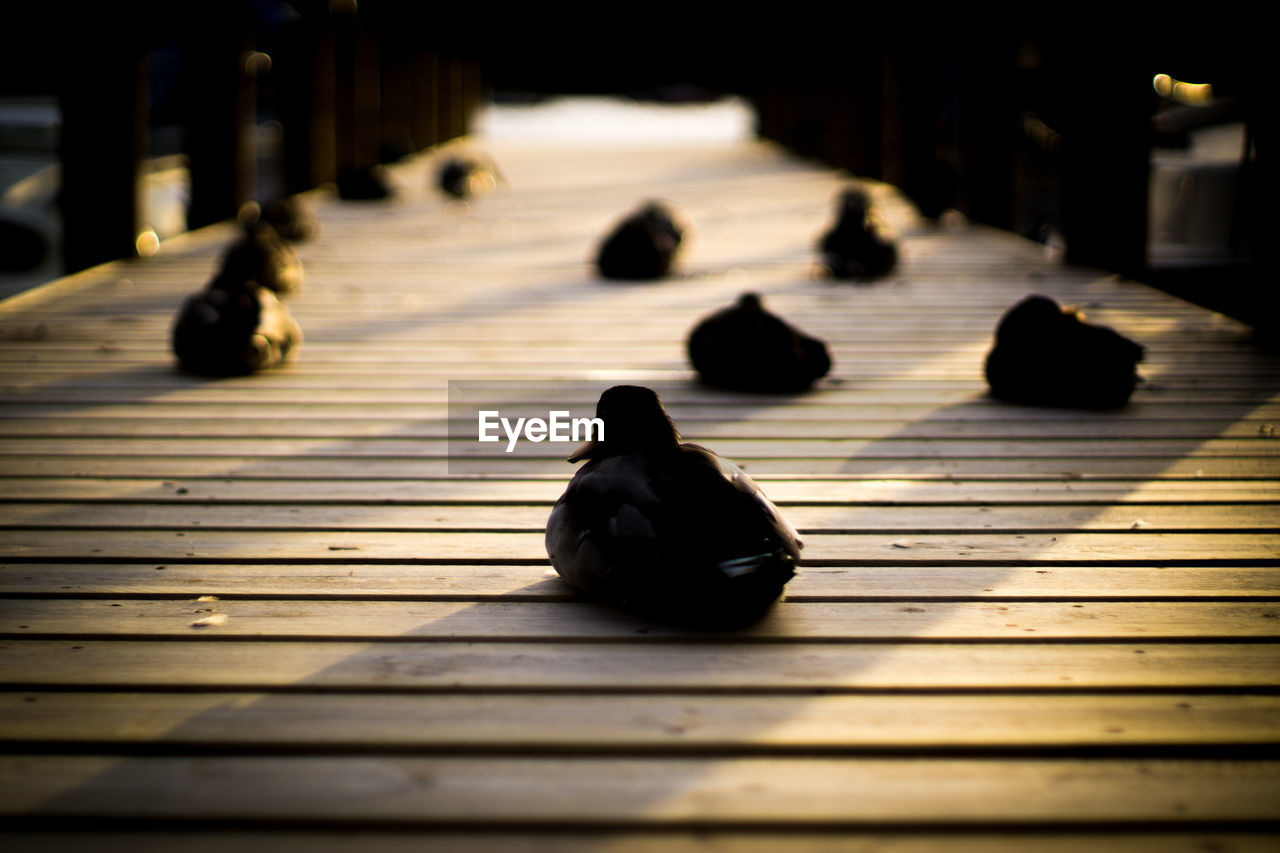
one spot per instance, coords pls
(641, 246)
(746, 348)
(234, 326)
(261, 256)
(858, 245)
(667, 530)
(1049, 355)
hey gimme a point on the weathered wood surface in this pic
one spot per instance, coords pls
(279, 603)
(901, 580)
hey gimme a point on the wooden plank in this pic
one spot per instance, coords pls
(431, 406)
(899, 582)
(638, 666)
(415, 468)
(673, 724)
(1214, 353)
(856, 372)
(838, 449)
(95, 424)
(968, 333)
(790, 622)
(940, 396)
(785, 492)
(1169, 518)
(636, 791)
(665, 362)
(197, 545)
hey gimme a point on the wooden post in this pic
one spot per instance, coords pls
(220, 123)
(861, 103)
(425, 99)
(451, 98)
(473, 91)
(357, 94)
(103, 146)
(1106, 158)
(397, 98)
(985, 130)
(913, 75)
(306, 73)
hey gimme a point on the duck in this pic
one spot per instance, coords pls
(664, 529)
(747, 348)
(1047, 354)
(260, 255)
(292, 218)
(859, 245)
(462, 177)
(642, 245)
(234, 326)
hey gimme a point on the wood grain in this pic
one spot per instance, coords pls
(285, 602)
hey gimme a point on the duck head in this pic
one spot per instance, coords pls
(634, 421)
(1030, 320)
(854, 204)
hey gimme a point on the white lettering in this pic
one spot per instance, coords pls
(486, 425)
(557, 426)
(588, 425)
(512, 434)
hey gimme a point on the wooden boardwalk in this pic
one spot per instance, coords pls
(271, 612)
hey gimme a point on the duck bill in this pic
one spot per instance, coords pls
(585, 451)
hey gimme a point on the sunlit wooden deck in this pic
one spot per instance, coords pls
(1014, 628)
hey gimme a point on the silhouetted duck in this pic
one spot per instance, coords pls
(746, 348)
(261, 256)
(641, 246)
(235, 326)
(858, 245)
(1048, 355)
(664, 529)
(292, 218)
(462, 177)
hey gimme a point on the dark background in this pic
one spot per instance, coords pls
(1044, 125)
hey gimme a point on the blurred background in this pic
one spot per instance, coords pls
(1143, 149)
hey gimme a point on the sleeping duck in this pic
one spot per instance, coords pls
(859, 245)
(667, 530)
(641, 246)
(1048, 355)
(462, 177)
(261, 256)
(746, 348)
(292, 218)
(234, 326)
